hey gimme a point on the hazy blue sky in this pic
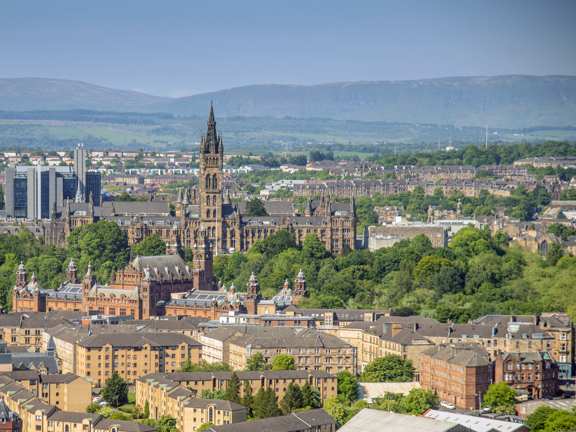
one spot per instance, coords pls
(176, 48)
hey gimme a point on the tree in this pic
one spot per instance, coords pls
(313, 249)
(560, 421)
(93, 407)
(283, 362)
(215, 394)
(390, 368)
(116, 390)
(233, 390)
(537, 420)
(266, 404)
(278, 242)
(310, 396)
(255, 207)
(166, 423)
(501, 398)
(146, 409)
(554, 254)
(292, 399)
(256, 363)
(347, 385)
(430, 265)
(124, 196)
(247, 398)
(188, 366)
(98, 243)
(205, 426)
(419, 401)
(336, 409)
(150, 246)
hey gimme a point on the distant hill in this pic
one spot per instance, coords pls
(27, 94)
(512, 101)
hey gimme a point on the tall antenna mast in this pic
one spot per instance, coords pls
(486, 136)
(438, 145)
(394, 149)
(286, 155)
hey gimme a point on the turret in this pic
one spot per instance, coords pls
(308, 211)
(226, 199)
(299, 288)
(252, 296)
(71, 273)
(21, 276)
(202, 274)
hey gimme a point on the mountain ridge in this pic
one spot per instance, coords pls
(505, 101)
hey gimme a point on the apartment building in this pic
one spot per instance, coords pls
(311, 349)
(133, 355)
(387, 335)
(67, 391)
(27, 329)
(39, 416)
(166, 397)
(457, 373)
(65, 337)
(333, 319)
(547, 161)
(277, 380)
(556, 328)
(533, 372)
(508, 334)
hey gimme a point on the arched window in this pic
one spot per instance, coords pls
(210, 414)
(214, 181)
(214, 200)
(208, 181)
(214, 215)
(232, 234)
(207, 213)
(207, 200)
(67, 428)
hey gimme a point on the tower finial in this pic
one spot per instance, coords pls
(211, 118)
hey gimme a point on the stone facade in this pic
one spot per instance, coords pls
(149, 286)
(209, 205)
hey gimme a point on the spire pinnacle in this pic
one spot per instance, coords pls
(211, 118)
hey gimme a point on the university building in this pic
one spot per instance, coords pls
(162, 285)
(227, 225)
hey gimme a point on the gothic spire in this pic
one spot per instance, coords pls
(211, 118)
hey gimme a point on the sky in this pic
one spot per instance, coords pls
(179, 48)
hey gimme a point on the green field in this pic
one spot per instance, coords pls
(52, 130)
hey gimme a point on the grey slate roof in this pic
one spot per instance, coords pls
(27, 360)
(136, 340)
(289, 423)
(220, 404)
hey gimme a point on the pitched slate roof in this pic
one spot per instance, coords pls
(302, 420)
(136, 340)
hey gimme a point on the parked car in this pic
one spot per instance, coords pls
(449, 406)
(97, 399)
(565, 396)
(442, 403)
(548, 398)
(103, 403)
(486, 409)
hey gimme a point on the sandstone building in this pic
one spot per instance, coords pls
(227, 225)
